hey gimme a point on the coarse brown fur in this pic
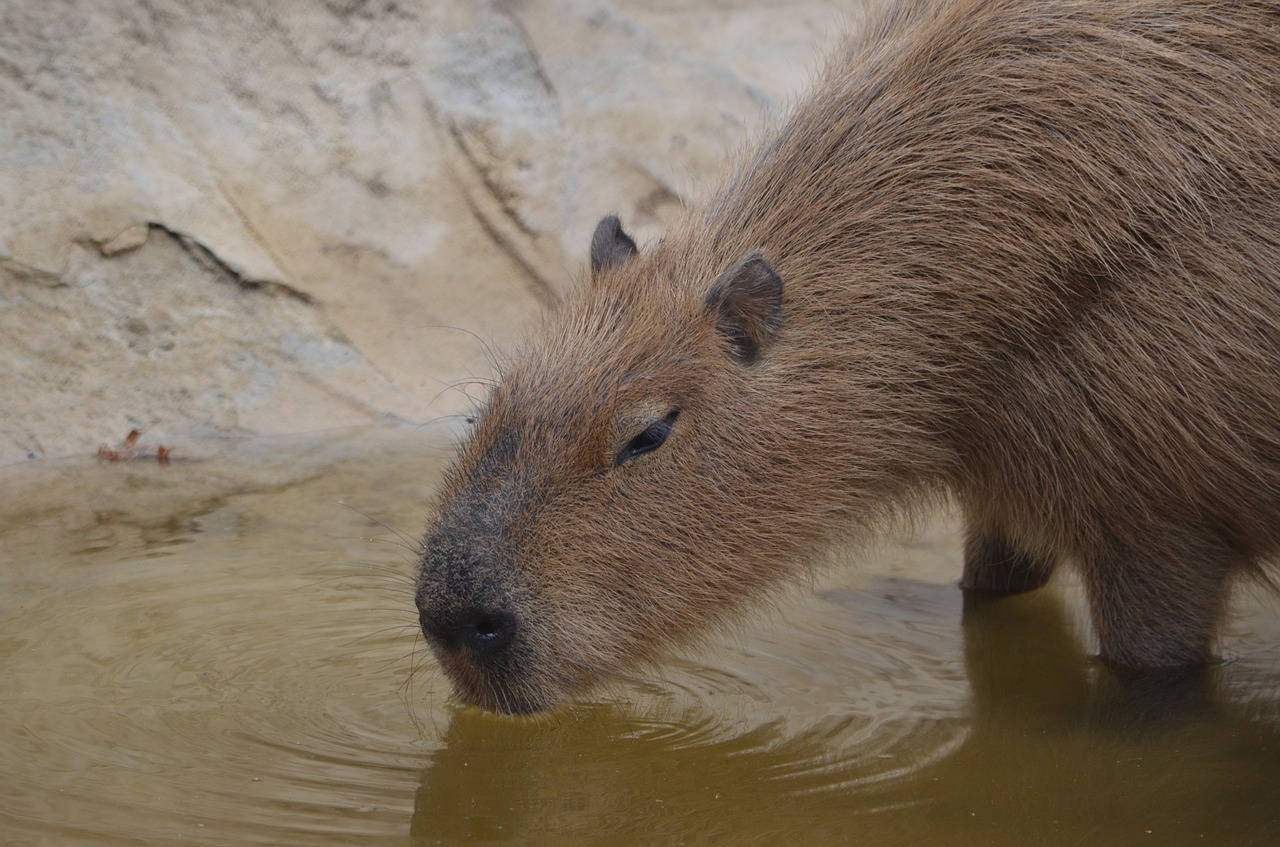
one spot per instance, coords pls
(1024, 254)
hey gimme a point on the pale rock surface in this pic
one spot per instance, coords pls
(283, 217)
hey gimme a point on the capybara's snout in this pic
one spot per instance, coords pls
(470, 614)
(476, 629)
(465, 603)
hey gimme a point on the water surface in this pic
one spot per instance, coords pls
(222, 651)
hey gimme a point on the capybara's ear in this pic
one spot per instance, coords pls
(747, 302)
(610, 246)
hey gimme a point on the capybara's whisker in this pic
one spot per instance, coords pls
(410, 543)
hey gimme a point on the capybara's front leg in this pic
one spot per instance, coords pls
(993, 564)
(1156, 609)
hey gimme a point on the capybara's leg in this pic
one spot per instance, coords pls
(993, 564)
(1157, 609)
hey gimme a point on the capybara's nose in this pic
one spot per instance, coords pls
(480, 631)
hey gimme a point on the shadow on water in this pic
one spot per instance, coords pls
(1053, 751)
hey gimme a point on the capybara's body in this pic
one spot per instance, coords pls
(1022, 254)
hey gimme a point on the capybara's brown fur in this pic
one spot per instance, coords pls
(1019, 254)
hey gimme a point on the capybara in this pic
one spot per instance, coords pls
(1022, 256)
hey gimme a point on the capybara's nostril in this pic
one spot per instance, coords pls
(482, 631)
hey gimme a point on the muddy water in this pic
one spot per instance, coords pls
(222, 651)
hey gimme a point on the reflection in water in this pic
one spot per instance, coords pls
(216, 652)
(595, 775)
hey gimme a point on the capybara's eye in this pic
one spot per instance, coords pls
(649, 440)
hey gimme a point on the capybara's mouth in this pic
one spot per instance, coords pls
(496, 688)
(484, 648)
(489, 660)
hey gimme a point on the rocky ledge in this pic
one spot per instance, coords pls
(281, 217)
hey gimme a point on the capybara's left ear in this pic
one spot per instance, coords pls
(747, 302)
(610, 246)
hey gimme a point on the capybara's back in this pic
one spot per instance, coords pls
(1024, 254)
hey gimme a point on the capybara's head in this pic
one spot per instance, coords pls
(617, 491)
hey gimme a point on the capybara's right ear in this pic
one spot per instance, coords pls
(747, 302)
(610, 246)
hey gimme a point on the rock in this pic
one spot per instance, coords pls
(278, 217)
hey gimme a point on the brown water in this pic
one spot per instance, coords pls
(222, 651)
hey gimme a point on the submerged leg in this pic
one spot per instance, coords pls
(992, 564)
(1158, 609)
